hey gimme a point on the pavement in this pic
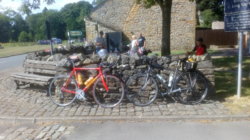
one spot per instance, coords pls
(31, 104)
(27, 113)
(35, 132)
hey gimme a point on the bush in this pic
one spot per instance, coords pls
(24, 37)
(208, 17)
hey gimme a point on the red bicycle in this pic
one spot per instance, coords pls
(108, 90)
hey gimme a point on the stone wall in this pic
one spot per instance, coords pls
(127, 16)
(92, 31)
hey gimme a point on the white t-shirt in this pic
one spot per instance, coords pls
(134, 47)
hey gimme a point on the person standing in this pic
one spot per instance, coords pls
(141, 44)
(100, 42)
(134, 46)
(101, 45)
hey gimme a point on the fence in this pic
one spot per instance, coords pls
(217, 37)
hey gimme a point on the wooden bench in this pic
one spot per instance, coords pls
(36, 72)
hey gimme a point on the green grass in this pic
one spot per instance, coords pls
(176, 52)
(11, 49)
(226, 79)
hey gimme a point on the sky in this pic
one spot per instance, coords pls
(15, 4)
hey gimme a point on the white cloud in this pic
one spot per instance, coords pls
(15, 4)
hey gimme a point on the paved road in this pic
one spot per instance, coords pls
(161, 131)
(11, 62)
(128, 131)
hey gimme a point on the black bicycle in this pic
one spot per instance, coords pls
(184, 84)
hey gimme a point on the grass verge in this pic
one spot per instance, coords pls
(176, 52)
(11, 49)
(226, 83)
(226, 76)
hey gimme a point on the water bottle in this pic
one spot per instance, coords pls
(88, 81)
(171, 76)
(161, 78)
(79, 79)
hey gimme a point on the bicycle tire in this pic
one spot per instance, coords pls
(111, 98)
(59, 97)
(137, 95)
(198, 90)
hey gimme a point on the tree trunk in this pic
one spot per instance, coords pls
(166, 24)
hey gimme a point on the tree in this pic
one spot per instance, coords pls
(211, 10)
(28, 5)
(24, 37)
(57, 25)
(73, 15)
(165, 6)
(18, 24)
(34, 4)
(36, 23)
(25, 9)
(5, 28)
(97, 2)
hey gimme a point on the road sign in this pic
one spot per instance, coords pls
(237, 19)
(75, 33)
(237, 15)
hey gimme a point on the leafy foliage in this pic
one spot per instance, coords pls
(211, 10)
(18, 24)
(24, 37)
(73, 15)
(97, 2)
(5, 27)
(208, 16)
(32, 28)
(147, 3)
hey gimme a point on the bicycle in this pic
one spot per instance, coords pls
(180, 86)
(108, 90)
(198, 85)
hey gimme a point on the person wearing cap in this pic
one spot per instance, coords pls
(199, 51)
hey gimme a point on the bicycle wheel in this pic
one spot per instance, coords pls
(181, 85)
(60, 97)
(198, 89)
(113, 96)
(141, 91)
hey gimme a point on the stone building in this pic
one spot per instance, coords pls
(126, 16)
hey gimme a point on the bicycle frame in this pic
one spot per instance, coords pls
(73, 74)
(169, 88)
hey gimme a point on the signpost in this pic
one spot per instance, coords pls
(49, 35)
(237, 19)
(75, 33)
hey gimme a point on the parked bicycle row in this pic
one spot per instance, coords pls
(182, 82)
